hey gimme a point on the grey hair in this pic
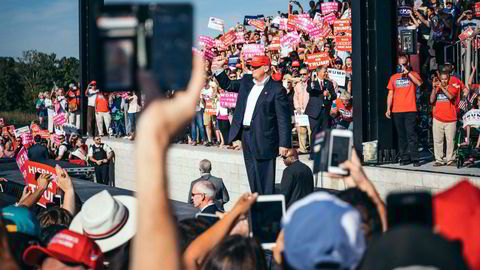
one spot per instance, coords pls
(205, 166)
(206, 188)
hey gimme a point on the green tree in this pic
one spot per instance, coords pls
(11, 88)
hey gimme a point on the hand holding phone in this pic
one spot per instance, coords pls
(340, 150)
(265, 219)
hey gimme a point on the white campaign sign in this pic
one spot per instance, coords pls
(20, 131)
(302, 120)
(337, 75)
(472, 118)
(215, 23)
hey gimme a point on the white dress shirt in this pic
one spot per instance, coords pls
(252, 100)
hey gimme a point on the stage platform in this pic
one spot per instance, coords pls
(183, 163)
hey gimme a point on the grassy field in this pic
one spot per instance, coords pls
(18, 119)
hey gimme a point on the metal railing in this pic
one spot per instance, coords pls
(462, 54)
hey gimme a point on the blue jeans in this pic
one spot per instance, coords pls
(131, 123)
(119, 127)
(197, 121)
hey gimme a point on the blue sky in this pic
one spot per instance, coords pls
(52, 25)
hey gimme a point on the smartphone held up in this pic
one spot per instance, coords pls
(153, 37)
(330, 149)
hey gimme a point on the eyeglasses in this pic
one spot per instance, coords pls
(304, 74)
(194, 194)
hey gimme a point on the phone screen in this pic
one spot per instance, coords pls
(119, 59)
(339, 150)
(266, 220)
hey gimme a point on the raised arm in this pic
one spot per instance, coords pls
(42, 185)
(155, 244)
(422, 19)
(65, 183)
(223, 81)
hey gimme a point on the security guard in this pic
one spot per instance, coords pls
(100, 155)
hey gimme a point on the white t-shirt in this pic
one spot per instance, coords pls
(206, 94)
(92, 97)
(133, 104)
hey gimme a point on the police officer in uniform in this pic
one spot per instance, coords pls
(100, 155)
(61, 152)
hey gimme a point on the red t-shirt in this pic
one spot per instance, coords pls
(101, 103)
(346, 113)
(404, 90)
(445, 110)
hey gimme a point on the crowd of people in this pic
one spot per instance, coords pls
(433, 99)
(319, 230)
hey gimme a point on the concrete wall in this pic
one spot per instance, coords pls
(183, 163)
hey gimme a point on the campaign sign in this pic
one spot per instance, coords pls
(304, 24)
(59, 119)
(31, 181)
(275, 44)
(220, 45)
(330, 18)
(317, 59)
(343, 43)
(472, 118)
(216, 24)
(337, 75)
(302, 120)
(22, 158)
(404, 11)
(250, 50)
(19, 131)
(229, 38)
(329, 7)
(208, 54)
(210, 107)
(477, 9)
(259, 24)
(248, 18)
(315, 32)
(326, 31)
(45, 134)
(228, 100)
(342, 26)
(290, 39)
(240, 38)
(318, 17)
(283, 24)
(10, 129)
(27, 138)
(206, 41)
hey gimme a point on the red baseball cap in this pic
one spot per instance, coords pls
(295, 64)
(69, 247)
(93, 82)
(277, 76)
(238, 66)
(260, 60)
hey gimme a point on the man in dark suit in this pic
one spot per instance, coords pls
(221, 193)
(203, 193)
(297, 179)
(262, 120)
(38, 152)
(322, 94)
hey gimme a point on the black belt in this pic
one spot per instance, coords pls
(246, 127)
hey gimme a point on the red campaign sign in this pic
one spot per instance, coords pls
(326, 30)
(330, 18)
(197, 52)
(304, 24)
(343, 43)
(477, 9)
(59, 119)
(27, 138)
(317, 59)
(208, 54)
(275, 44)
(32, 168)
(22, 158)
(466, 34)
(240, 38)
(228, 100)
(329, 7)
(220, 45)
(206, 41)
(229, 38)
(342, 26)
(43, 133)
(259, 24)
(250, 50)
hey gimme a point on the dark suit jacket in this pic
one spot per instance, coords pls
(271, 120)
(221, 193)
(37, 152)
(297, 182)
(317, 101)
(211, 209)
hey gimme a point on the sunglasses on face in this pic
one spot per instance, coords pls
(304, 74)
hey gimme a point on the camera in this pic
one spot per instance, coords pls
(154, 37)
